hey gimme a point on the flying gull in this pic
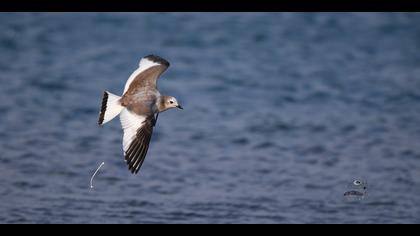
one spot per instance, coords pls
(139, 108)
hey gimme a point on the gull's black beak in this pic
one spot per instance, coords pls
(179, 106)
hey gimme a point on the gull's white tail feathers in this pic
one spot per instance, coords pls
(110, 108)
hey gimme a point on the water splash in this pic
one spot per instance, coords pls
(94, 174)
(357, 190)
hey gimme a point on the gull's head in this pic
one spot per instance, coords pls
(171, 102)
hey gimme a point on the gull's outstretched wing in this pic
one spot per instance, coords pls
(137, 134)
(150, 68)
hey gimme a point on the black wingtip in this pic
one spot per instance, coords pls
(103, 108)
(137, 151)
(132, 170)
(157, 59)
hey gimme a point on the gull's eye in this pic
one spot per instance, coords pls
(171, 102)
(357, 182)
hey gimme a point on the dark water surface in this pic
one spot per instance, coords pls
(282, 112)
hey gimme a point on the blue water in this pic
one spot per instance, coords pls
(282, 112)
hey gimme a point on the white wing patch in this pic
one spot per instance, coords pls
(144, 64)
(130, 123)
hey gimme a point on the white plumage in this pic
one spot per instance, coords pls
(144, 64)
(130, 123)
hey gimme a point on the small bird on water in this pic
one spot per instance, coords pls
(139, 108)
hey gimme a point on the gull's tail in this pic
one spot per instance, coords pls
(110, 108)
